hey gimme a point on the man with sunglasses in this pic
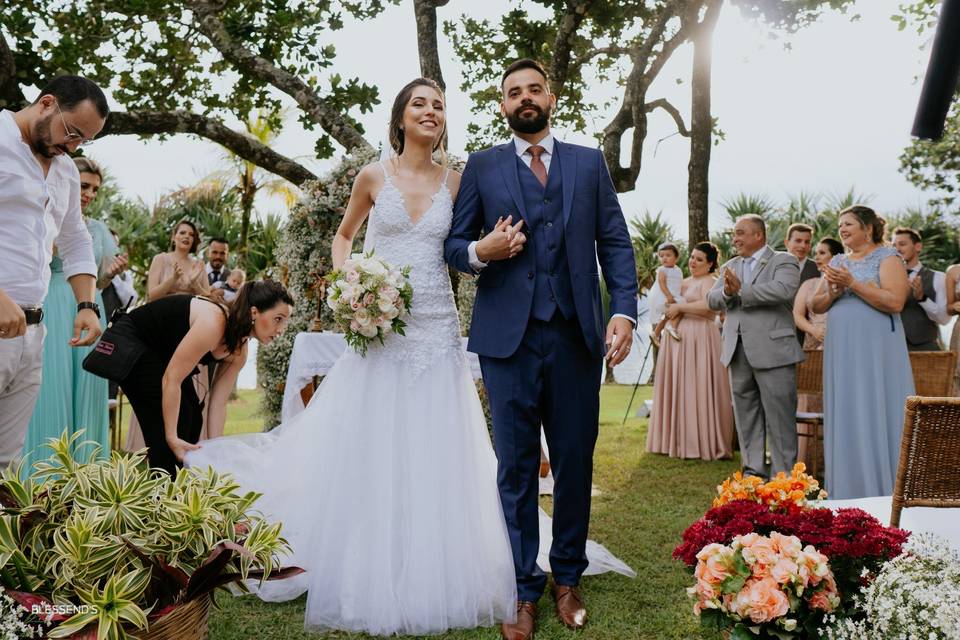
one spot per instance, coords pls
(40, 207)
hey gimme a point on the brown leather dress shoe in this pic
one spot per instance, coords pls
(570, 607)
(525, 625)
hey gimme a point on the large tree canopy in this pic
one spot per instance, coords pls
(182, 66)
(189, 66)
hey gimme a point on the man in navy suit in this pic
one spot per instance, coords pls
(550, 216)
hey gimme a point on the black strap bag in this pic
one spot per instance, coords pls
(118, 349)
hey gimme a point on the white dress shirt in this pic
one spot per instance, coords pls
(936, 310)
(35, 212)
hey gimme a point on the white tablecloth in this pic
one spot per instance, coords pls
(314, 354)
(942, 522)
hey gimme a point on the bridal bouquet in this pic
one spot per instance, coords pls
(369, 299)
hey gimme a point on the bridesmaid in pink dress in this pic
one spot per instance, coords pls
(692, 413)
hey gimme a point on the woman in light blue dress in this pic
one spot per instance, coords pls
(70, 398)
(866, 368)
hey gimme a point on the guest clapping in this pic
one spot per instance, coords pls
(178, 270)
(692, 413)
(866, 368)
(926, 307)
(181, 332)
(813, 326)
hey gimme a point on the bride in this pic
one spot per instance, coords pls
(386, 483)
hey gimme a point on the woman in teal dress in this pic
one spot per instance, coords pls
(866, 368)
(70, 398)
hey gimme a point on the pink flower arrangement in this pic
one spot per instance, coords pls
(765, 585)
(369, 299)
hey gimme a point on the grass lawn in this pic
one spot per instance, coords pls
(645, 503)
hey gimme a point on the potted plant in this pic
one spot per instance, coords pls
(116, 548)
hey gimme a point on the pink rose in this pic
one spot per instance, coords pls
(352, 276)
(354, 326)
(368, 299)
(761, 601)
(784, 571)
(761, 551)
(787, 545)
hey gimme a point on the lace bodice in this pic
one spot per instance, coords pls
(868, 268)
(433, 327)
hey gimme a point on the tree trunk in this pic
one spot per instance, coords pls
(701, 128)
(426, 15)
(247, 196)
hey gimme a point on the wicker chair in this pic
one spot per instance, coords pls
(810, 424)
(933, 372)
(929, 452)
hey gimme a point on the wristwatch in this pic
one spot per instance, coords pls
(93, 306)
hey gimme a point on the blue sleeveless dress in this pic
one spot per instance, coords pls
(70, 398)
(866, 380)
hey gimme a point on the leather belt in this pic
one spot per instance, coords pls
(34, 314)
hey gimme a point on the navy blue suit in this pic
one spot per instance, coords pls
(538, 327)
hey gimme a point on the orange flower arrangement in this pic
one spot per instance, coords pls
(783, 492)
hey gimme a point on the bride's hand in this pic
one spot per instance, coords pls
(180, 447)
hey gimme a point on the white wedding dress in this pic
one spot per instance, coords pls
(386, 482)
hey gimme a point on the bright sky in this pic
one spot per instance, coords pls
(833, 112)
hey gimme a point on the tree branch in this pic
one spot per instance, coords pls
(563, 43)
(425, 12)
(330, 119)
(245, 146)
(11, 97)
(663, 103)
(602, 51)
(633, 110)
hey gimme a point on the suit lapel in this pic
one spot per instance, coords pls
(760, 263)
(568, 171)
(507, 159)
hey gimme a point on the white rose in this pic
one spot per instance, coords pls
(374, 267)
(368, 330)
(392, 313)
(362, 316)
(385, 304)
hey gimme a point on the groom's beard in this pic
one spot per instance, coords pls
(534, 124)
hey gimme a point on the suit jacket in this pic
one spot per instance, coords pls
(761, 314)
(809, 270)
(595, 232)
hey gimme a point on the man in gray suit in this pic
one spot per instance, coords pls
(760, 346)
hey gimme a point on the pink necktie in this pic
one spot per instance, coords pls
(536, 164)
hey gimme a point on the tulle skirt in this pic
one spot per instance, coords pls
(386, 488)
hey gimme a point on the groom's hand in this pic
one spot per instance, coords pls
(619, 340)
(503, 242)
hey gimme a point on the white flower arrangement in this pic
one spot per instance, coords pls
(369, 299)
(916, 596)
(15, 621)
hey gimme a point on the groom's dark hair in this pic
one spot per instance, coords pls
(524, 63)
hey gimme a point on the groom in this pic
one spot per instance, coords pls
(550, 214)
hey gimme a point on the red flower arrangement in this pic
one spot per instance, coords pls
(855, 542)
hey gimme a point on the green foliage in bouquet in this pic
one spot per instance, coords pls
(115, 542)
(360, 281)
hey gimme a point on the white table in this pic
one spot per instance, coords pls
(314, 354)
(945, 523)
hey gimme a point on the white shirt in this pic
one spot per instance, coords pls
(123, 285)
(936, 310)
(35, 212)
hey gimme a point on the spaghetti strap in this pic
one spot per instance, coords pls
(383, 168)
